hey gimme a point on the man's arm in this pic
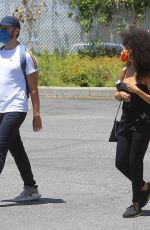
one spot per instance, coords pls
(34, 93)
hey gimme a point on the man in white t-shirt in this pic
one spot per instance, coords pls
(14, 104)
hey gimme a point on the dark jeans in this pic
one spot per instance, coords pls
(130, 152)
(10, 140)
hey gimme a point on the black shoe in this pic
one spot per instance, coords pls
(145, 197)
(132, 212)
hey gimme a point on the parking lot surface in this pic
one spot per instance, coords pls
(73, 163)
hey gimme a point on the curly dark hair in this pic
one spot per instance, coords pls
(139, 41)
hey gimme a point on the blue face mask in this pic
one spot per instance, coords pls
(4, 36)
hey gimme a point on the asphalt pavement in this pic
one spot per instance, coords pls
(73, 163)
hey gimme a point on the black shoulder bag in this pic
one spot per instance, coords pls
(113, 134)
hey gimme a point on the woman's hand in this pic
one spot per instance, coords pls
(132, 88)
(125, 96)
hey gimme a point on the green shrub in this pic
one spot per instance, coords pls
(75, 70)
(99, 51)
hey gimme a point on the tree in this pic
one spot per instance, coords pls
(28, 12)
(108, 11)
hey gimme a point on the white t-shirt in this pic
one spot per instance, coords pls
(13, 96)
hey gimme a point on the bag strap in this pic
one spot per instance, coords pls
(118, 110)
(23, 65)
(120, 101)
(23, 58)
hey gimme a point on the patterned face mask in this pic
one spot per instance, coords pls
(124, 56)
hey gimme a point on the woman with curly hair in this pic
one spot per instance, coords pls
(134, 129)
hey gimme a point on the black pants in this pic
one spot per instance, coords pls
(131, 148)
(10, 140)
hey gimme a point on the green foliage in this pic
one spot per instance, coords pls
(98, 51)
(74, 70)
(88, 9)
(106, 11)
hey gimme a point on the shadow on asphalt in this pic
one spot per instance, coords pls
(146, 212)
(35, 202)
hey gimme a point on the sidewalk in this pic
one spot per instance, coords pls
(81, 92)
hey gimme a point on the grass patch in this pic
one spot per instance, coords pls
(74, 70)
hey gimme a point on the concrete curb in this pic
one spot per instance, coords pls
(81, 92)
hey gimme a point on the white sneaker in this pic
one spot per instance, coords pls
(28, 194)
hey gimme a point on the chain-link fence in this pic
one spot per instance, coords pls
(53, 30)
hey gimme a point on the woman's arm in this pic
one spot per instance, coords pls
(122, 95)
(117, 94)
(139, 92)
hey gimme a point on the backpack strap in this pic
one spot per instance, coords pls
(23, 65)
(23, 58)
